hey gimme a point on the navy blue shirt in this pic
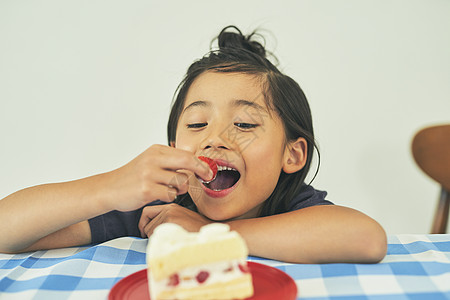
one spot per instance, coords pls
(116, 224)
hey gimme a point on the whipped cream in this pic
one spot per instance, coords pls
(169, 237)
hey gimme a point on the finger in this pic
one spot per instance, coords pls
(155, 222)
(144, 220)
(148, 214)
(171, 193)
(161, 192)
(167, 193)
(176, 159)
(177, 180)
(203, 170)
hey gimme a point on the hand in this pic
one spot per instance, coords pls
(152, 216)
(153, 175)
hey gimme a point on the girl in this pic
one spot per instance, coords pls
(235, 107)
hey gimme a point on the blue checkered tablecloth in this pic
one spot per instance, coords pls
(416, 267)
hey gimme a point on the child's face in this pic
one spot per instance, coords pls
(225, 118)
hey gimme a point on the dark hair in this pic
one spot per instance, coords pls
(242, 54)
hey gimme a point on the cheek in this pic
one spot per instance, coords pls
(264, 162)
(265, 154)
(182, 142)
(185, 147)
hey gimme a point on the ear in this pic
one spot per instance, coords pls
(295, 155)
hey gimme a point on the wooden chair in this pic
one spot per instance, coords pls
(431, 151)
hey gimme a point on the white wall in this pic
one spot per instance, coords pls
(85, 86)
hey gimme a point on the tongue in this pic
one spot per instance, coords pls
(224, 180)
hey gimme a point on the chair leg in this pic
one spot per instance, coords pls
(441, 215)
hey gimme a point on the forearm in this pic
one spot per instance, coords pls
(33, 213)
(29, 215)
(320, 234)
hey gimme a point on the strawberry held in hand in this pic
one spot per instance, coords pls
(212, 165)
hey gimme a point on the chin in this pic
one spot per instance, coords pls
(217, 214)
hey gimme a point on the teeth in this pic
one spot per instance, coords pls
(225, 168)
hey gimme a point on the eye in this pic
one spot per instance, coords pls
(196, 125)
(246, 125)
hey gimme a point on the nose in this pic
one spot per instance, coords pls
(218, 138)
(215, 142)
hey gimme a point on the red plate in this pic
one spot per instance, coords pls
(268, 283)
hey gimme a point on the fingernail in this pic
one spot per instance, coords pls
(210, 177)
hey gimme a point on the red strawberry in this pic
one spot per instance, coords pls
(202, 276)
(244, 268)
(174, 280)
(212, 165)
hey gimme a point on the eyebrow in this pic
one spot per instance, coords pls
(252, 104)
(199, 103)
(235, 103)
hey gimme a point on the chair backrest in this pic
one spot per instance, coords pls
(431, 151)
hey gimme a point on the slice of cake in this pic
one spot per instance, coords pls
(210, 264)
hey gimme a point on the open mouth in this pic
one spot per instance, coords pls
(226, 178)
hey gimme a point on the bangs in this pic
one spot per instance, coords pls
(261, 77)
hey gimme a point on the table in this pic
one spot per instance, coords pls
(416, 267)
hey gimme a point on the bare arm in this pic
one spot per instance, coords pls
(319, 234)
(50, 216)
(55, 215)
(74, 235)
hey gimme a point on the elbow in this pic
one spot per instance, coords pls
(377, 250)
(373, 244)
(10, 249)
(14, 248)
